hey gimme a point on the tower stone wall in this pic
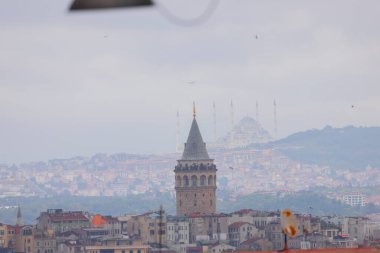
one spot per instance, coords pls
(195, 177)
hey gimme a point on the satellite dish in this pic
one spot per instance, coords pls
(288, 223)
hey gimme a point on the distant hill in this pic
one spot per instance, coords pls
(349, 147)
(305, 202)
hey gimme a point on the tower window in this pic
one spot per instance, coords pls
(209, 181)
(186, 180)
(203, 180)
(194, 180)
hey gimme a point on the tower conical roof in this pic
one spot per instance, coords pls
(195, 148)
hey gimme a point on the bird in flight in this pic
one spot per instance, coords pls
(256, 37)
(191, 82)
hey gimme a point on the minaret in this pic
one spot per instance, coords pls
(195, 176)
(257, 112)
(19, 217)
(178, 137)
(214, 118)
(275, 119)
(232, 125)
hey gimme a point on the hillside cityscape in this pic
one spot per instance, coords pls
(166, 126)
(248, 171)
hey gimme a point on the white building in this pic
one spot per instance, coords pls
(177, 230)
(353, 199)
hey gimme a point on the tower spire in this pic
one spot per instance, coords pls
(194, 112)
(19, 217)
(214, 117)
(257, 111)
(178, 146)
(232, 124)
(275, 118)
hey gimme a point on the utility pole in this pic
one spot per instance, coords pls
(160, 224)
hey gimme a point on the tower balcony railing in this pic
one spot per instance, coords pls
(195, 166)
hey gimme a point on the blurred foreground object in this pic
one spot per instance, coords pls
(288, 226)
(106, 4)
(288, 223)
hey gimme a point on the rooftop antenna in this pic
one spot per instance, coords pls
(275, 119)
(178, 145)
(214, 117)
(257, 112)
(232, 123)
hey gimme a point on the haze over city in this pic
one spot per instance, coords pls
(113, 81)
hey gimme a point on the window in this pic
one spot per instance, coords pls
(209, 181)
(194, 180)
(186, 181)
(203, 180)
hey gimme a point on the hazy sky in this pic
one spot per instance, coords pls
(112, 81)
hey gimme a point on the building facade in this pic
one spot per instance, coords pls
(353, 199)
(177, 230)
(239, 232)
(60, 221)
(195, 177)
(208, 228)
(150, 227)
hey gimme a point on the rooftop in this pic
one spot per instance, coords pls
(67, 216)
(237, 224)
(195, 148)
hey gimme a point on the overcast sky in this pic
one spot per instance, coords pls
(113, 81)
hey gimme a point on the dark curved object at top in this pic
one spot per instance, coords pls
(107, 4)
